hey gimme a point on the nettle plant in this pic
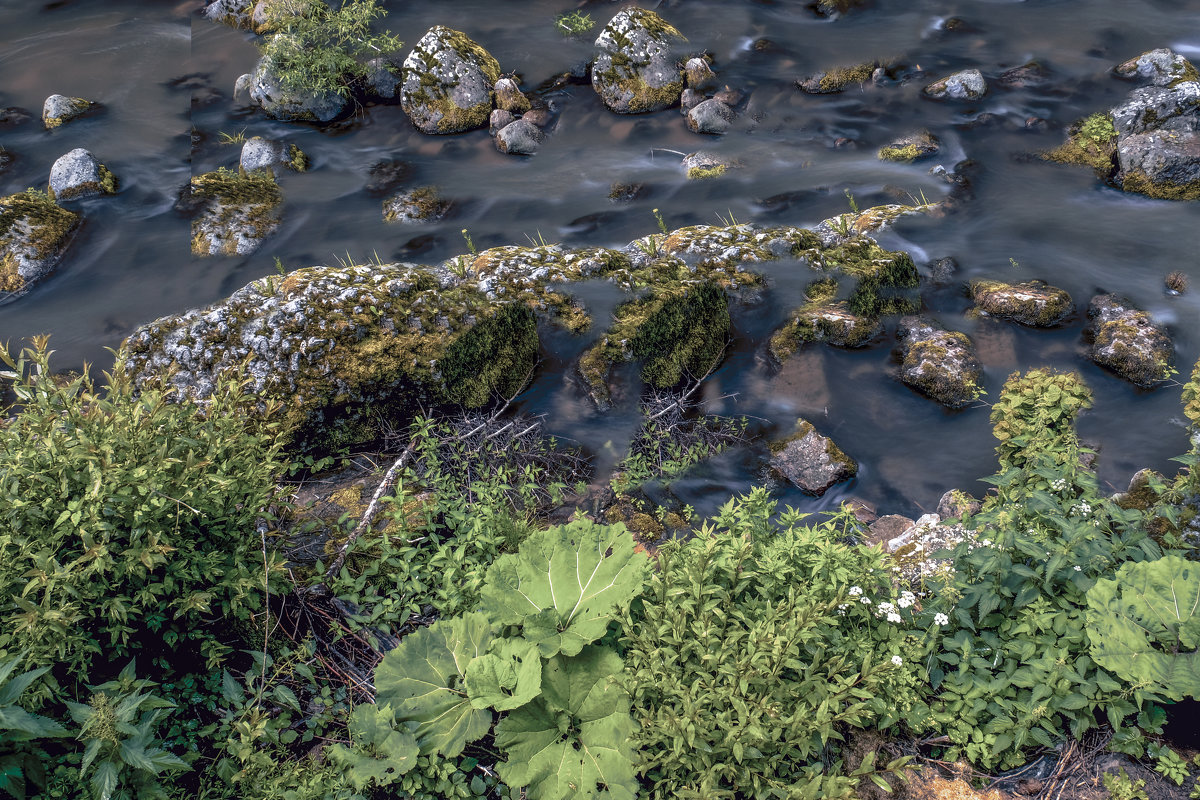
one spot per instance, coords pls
(1015, 670)
(530, 654)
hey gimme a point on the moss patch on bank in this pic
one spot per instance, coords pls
(1091, 142)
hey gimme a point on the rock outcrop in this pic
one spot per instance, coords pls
(448, 82)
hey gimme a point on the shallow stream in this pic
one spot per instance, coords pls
(1027, 218)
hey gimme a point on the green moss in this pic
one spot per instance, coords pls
(32, 216)
(702, 173)
(622, 73)
(906, 154)
(492, 359)
(837, 79)
(432, 93)
(1091, 142)
(297, 159)
(821, 290)
(882, 275)
(1187, 74)
(830, 323)
(424, 202)
(10, 275)
(79, 106)
(1138, 182)
(924, 363)
(1114, 349)
(676, 335)
(1033, 303)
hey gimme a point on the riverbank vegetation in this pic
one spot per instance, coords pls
(174, 624)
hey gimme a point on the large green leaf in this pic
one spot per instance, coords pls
(574, 740)
(381, 753)
(422, 679)
(565, 584)
(1144, 625)
(507, 678)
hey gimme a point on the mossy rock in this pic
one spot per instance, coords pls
(636, 70)
(838, 79)
(1161, 67)
(59, 109)
(1033, 303)
(939, 363)
(77, 174)
(342, 348)
(1128, 342)
(448, 82)
(810, 461)
(831, 323)
(884, 278)
(1091, 142)
(914, 147)
(34, 233)
(422, 204)
(237, 211)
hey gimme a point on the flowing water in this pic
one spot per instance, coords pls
(1027, 218)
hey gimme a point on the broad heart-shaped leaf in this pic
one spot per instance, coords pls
(565, 584)
(574, 740)
(422, 680)
(506, 678)
(382, 753)
(1144, 625)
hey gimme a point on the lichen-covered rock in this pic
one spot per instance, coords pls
(78, 174)
(1151, 108)
(58, 109)
(710, 116)
(34, 233)
(1034, 303)
(967, 84)
(382, 82)
(1161, 67)
(340, 346)
(260, 153)
(838, 79)
(236, 211)
(1128, 342)
(423, 204)
(1164, 163)
(702, 164)
(448, 81)
(811, 461)
(509, 97)
(234, 13)
(957, 504)
(635, 70)
(939, 363)
(698, 75)
(831, 323)
(268, 92)
(910, 148)
(520, 137)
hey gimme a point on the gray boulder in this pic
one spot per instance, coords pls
(520, 137)
(811, 461)
(236, 211)
(1161, 67)
(448, 80)
(260, 153)
(234, 13)
(1163, 163)
(78, 174)
(1033, 303)
(34, 234)
(58, 109)
(635, 69)
(383, 79)
(710, 116)
(939, 363)
(699, 74)
(1128, 341)
(267, 91)
(1152, 107)
(499, 120)
(965, 85)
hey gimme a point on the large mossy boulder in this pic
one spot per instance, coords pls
(34, 233)
(236, 211)
(448, 82)
(1127, 341)
(279, 101)
(78, 174)
(1033, 303)
(636, 69)
(939, 363)
(811, 461)
(340, 347)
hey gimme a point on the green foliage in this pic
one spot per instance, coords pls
(124, 512)
(666, 449)
(382, 753)
(319, 48)
(574, 740)
(1169, 764)
(756, 646)
(119, 726)
(1121, 787)
(575, 23)
(506, 678)
(22, 759)
(564, 583)
(1034, 419)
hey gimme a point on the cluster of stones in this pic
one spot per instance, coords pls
(1150, 143)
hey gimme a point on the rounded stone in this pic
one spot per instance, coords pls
(78, 174)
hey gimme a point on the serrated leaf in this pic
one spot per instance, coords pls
(1144, 625)
(574, 740)
(104, 780)
(423, 681)
(565, 584)
(506, 678)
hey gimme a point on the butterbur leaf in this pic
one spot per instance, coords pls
(574, 740)
(1144, 625)
(381, 753)
(565, 584)
(423, 681)
(507, 678)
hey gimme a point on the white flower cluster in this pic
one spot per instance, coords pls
(906, 600)
(940, 619)
(855, 591)
(897, 660)
(1058, 484)
(1083, 509)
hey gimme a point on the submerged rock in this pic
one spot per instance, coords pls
(831, 323)
(910, 148)
(34, 233)
(811, 461)
(1034, 303)
(382, 81)
(422, 204)
(520, 137)
(448, 81)
(701, 165)
(939, 363)
(78, 174)
(635, 70)
(1128, 342)
(237, 211)
(965, 85)
(1030, 74)
(260, 153)
(267, 90)
(343, 346)
(838, 79)
(58, 109)
(710, 116)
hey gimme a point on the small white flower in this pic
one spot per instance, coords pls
(866, 601)
(894, 618)
(905, 602)
(897, 660)
(1078, 568)
(940, 619)
(1058, 484)
(855, 591)
(986, 543)
(886, 608)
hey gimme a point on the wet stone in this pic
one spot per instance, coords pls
(78, 174)
(1033, 303)
(520, 138)
(811, 461)
(59, 109)
(939, 363)
(1127, 341)
(910, 148)
(710, 116)
(965, 85)
(509, 97)
(448, 80)
(422, 204)
(266, 90)
(499, 120)
(1026, 76)
(635, 68)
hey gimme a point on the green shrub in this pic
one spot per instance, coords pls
(22, 758)
(126, 515)
(756, 647)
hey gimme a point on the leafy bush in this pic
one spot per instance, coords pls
(756, 647)
(124, 514)
(22, 758)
